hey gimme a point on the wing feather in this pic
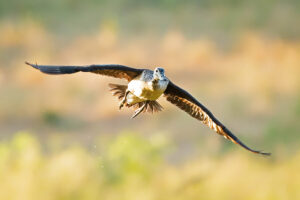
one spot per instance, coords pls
(189, 104)
(113, 70)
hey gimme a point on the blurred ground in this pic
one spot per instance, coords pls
(241, 59)
(130, 167)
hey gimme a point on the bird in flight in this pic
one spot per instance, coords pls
(144, 88)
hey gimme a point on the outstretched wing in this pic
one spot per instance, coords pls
(189, 104)
(117, 71)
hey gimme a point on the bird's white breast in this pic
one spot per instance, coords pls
(147, 90)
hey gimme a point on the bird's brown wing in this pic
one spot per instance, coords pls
(189, 104)
(117, 71)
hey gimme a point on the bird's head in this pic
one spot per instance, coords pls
(159, 74)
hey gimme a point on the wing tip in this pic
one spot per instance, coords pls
(52, 70)
(263, 153)
(254, 151)
(251, 150)
(32, 65)
(228, 135)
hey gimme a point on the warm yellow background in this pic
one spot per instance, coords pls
(63, 137)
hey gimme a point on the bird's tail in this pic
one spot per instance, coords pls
(120, 90)
(151, 106)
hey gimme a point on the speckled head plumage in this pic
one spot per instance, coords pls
(159, 74)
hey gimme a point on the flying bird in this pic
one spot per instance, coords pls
(144, 88)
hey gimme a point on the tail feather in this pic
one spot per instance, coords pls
(154, 106)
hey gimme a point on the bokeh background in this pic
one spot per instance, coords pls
(62, 137)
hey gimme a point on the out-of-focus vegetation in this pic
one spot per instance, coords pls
(219, 19)
(241, 59)
(132, 167)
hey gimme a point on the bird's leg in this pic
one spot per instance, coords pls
(123, 100)
(138, 111)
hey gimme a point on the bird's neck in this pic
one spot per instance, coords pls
(159, 83)
(155, 81)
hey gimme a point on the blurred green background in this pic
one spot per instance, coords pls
(62, 137)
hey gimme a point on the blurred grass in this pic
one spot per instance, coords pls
(132, 167)
(220, 19)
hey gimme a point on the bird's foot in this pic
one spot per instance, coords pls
(138, 111)
(121, 105)
(123, 100)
